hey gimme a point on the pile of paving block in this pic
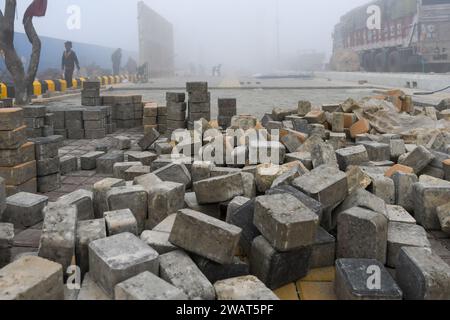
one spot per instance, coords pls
(198, 107)
(227, 110)
(69, 122)
(17, 155)
(48, 162)
(176, 111)
(39, 123)
(161, 119)
(82, 122)
(150, 120)
(101, 161)
(7, 103)
(323, 191)
(155, 117)
(199, 104)
(90, 94)
(127, 111)
(97, 122)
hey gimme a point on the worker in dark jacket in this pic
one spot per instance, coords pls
(69, 62)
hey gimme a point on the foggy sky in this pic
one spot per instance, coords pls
(241, 34)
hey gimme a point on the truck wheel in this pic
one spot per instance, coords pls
(380, 62)
(395, 62)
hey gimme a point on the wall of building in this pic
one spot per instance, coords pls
(156, 42)
(52, 51)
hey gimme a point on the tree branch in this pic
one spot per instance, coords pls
(36, 50)
(2, 20)
(8, 23)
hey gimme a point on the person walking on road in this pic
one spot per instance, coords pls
(69, 62)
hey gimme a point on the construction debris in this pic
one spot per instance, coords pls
(231, 209)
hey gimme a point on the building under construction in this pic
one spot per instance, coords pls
(156, 42)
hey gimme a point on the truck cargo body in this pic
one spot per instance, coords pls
(414, 36)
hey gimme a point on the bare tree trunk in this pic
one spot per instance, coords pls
(22, 81)
(35, 54)
(15, 68)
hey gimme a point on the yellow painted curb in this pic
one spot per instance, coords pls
(51, 85)
(37, 88)
(63, 85)
(3, 91)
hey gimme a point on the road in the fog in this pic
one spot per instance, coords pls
(255, 97)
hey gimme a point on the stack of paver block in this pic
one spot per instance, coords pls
(7, 103)
(39, 123)
(17, 156)
(138, 110)
(227, 110)
(58, 120)
(127, 111)
(155, 117)
(90, 95)
(49, 125)
(82, 122)
(95, 121)
(280, 257)
(111, 127)
(199, 102)
(150, 120)
(176, 111)
(108, 100)
(162, 119)
(74, 124)
(48, 163)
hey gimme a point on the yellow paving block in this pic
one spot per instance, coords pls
(288, 292)
(321, 275)
(318, 291)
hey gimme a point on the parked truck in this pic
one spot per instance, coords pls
(414, 36)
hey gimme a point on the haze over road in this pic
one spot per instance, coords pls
(239, 34)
